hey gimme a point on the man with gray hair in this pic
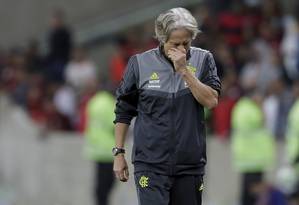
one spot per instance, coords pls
(167, 89)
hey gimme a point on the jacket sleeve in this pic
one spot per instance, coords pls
(209, 74)
(127, 94)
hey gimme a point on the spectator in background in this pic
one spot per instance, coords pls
(53, 119)
(294, 200)
(272, 15)
(14, 77)
(119, 59)
(59, 45)
(224, 58)
(34, 61)
(231, 24)
(8, 75)
(89, 92)
(65, 101)
(99, 140)
(286, 99)
(135, 40)
(80, 70)
(267, 194)
(290, 47)
(35, 97)
(261, 69)
(203, 14)
(276, 107)
(221, 115)
(252, 144)
(293, 136)
(41, 106)
(271, 105)
(2, 64)
(117, 66)
(2, 57)
(21, 89)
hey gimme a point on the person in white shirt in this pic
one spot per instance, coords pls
(80, 70)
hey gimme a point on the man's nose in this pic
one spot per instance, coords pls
(181, 48)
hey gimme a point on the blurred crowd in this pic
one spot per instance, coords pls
(255, 47)
(255, 44)
(54, 88)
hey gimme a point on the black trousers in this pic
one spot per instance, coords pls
(104, 180)
(156, 189)
(247, 198)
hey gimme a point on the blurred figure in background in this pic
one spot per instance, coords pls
(117, 64)
(290, 45)
(221, 115)
(65, 102)
(266, 194)
(293, 138)
(231, 23)
(34, 60)
(59, 45)
(252, 145)
(80, 70)
(130, 43)
(14, 77)
(99, 142)
(276, 106)
(260, 69)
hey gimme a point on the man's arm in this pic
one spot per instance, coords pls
(204, 94)
(125, 110)
(120, 165)
(205, 91)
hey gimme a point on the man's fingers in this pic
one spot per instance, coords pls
(172, 55)
(117, 174)
(121, 176)
(173, 50)
(175, 54)
(176, 50)
(126, 173)
(120, 166)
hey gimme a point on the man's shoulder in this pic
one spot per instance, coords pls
(149, 52)
(199, 50)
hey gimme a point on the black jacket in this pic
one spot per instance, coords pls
(169, 132)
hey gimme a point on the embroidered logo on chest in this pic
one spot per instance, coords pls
(154, 81)
(193, 71)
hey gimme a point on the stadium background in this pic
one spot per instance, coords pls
(42, 117)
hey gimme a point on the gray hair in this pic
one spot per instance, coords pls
(174, 19)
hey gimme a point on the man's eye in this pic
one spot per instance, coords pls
(176, 44)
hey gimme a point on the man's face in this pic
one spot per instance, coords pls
(179, 39)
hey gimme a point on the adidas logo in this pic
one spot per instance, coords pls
(154, 81)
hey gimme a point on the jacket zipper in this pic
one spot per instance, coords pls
(173, 137)
(172, 120)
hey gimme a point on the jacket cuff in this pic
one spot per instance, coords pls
(123, 119)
